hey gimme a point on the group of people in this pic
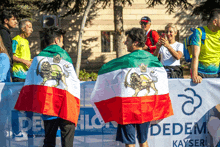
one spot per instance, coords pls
(16, 58)
(15, 62)
(164, 46)
(205, 53)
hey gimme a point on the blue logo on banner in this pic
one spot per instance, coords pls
(193, 102)
(88, 124)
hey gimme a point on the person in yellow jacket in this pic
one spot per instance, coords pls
(205, 55)
(21, 51)
(21, 63)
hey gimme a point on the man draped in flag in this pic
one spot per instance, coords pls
(53, 89)
(132, 90)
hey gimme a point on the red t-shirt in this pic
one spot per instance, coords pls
(155, 37)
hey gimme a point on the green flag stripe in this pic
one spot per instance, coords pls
(53, 50)
(131, 60)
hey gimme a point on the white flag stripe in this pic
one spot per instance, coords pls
(111, 84)
(72, 79)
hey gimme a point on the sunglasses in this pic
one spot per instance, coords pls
(142, 23)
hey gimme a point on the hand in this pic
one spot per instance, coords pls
(197, 79)
(145, 47)
(165, 42)
(159, 43)
(27, 63)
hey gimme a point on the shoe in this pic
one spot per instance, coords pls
(8, 134)
(22, 136)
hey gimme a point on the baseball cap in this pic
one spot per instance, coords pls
(145, 19)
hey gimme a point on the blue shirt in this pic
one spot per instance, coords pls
(4, 68)
(48, 117)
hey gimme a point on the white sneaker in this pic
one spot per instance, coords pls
(22, 136)
(8, 134)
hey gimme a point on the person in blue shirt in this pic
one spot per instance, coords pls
(4, 63)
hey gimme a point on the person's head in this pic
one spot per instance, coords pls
(9, 19)
(3, 49)
(135, 39)
(145, 23)
(25, 27)
(214, 18)
(171, 31)
(54, 35)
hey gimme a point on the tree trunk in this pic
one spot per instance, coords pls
(119, 31)
(79, 47)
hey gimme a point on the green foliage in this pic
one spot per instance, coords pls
(85, 76)
(170, 4)
(205, 8)
(23, 8)
(27, 8)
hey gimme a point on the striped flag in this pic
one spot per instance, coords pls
(51, 86)
(132, 89)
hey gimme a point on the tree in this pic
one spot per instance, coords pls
(78, 63)
(55, 5)
(24, 8)
(205, 8)
(75, 6)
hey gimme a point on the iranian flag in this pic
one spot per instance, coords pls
(51, 86)
(132, 89)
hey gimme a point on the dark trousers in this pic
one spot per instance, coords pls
(208, 75)
(67, 132)
(18, 80)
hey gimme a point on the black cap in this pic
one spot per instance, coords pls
(145, 19)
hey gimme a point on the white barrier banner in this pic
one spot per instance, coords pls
(194, 112)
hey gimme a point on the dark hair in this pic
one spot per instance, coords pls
(7, 14)
(137, 34)
(51, 33)
(215, 13)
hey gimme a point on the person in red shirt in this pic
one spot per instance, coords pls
(151, 35)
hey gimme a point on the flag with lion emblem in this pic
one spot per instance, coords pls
(51, 86)
(132, 89)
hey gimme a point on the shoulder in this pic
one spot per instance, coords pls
(4, 33)
(197, 32)
(154, 32)
(17, 38)
(178, 46)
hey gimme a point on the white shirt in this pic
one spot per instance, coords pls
(148, 32)
(166, 58)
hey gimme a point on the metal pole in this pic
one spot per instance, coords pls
(78, 62)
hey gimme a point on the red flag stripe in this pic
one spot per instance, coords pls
(49, 101)
(135, 110)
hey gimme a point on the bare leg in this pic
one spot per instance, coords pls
(129, 145)
(145, 144)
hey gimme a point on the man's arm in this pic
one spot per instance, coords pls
(26, 62)
(194, 65)
(158, 46)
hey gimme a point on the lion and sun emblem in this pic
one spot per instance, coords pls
(53, 71)
(142, 81)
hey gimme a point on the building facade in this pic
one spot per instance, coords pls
(97, 44)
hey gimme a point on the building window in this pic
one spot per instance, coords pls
(107, 41)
